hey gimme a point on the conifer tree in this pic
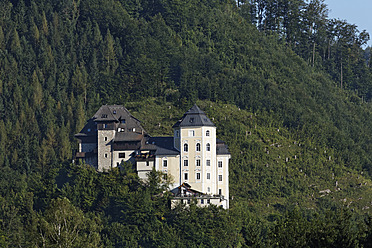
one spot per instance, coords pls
(2, 38)
(110, 61)
(37, 90)
(3, 138)
(15, 44)
(44, 23)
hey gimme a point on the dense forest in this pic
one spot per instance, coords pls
(288, 88)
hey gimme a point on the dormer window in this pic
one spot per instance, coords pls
(114, 112)
(123, 121)
(191, 120)
(103, 116)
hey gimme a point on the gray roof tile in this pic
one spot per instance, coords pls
(194, 117)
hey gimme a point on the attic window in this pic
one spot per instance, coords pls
(104, 116)
(114, 112)
(191, 120)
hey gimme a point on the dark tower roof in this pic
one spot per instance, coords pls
(194, 117)
(109, 114)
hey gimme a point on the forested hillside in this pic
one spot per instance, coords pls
(288, 88)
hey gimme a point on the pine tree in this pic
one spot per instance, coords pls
(110, 62)
(15, 44)
(2, 38)
(37, 90)
(44, 23)
(3, 138)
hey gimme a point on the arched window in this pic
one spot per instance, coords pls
(208, 147)
(185, 147)
(198, 147)
(207, 133)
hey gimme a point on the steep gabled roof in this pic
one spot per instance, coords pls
(118, 114)
(112, 113)
(194, 117)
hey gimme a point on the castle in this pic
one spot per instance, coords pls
(196, 159)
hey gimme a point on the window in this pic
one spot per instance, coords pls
(104, 125)
(198, 162)
(147, 163)
(105, 138)
(220, 178)
(114, 112)
(177, 133)
(134, 129)
(208, 162)
(185, 147)
(185, 162)
(123, 121)
(208, 147)
(209, 189)
(165, 163)
(207, 133)
(220, 191)
(198, 147)
(208, 175)
(201, 201)
(103, 116)
(219, 164)
(191, 133)
(105, 155)
(122, 155)
(198, 176)
(186, 176)
(191, 120)
(208, 201)
(88, 129)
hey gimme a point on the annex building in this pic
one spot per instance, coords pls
(196, 159)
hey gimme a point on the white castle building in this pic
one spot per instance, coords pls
(196, 159)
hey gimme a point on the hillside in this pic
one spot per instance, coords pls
(298, 130)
